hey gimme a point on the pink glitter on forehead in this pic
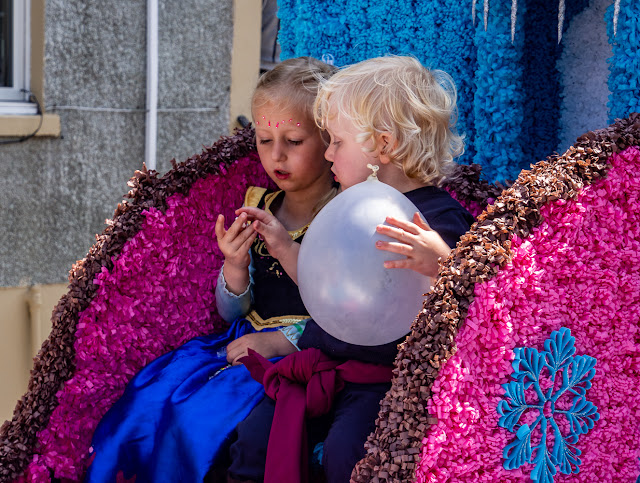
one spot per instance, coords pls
(277, 123)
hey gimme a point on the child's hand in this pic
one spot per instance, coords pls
(275, 235)
(267, 344)
(421, 245)
(234, 244)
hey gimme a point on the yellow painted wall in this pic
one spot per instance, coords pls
(245, 57)
(20, 339)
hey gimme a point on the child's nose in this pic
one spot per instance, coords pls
(328, 154)
(277, 153)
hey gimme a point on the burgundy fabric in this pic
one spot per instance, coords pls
(303, 385)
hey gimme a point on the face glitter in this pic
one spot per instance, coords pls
(277, 123)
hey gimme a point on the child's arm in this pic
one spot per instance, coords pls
(422, 246)
(267, 344)
(276, 238)
(231, 306)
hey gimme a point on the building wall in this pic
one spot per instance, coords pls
(55, 193)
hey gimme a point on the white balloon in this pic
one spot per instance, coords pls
(341, 276)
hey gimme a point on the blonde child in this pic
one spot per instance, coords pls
(291, 151)
(176, 415)
(394, 113)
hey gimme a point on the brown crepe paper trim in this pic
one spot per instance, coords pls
(394, 448)
(55, 362)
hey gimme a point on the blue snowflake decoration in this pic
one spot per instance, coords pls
(574, 379)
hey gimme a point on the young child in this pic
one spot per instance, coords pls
(292, 152)
(176, 414)
(394, 113)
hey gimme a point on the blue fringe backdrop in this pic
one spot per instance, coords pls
(508, 93)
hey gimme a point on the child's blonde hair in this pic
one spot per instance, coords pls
(292, 83)
(398, 95)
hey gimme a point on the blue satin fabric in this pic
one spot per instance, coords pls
(176, 415)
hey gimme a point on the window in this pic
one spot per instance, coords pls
(15, 36)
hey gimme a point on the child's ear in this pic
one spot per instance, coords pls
(385, 143)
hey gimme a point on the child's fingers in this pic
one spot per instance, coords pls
(242, 242)
(407, 226)
(236, 361)
(220, 231)
(237, 227)
(234, 349)
(421, 222)
(393, 247)
(402, 263)
(258, 227)
(254, 213)
(250, 237)
(399, 234)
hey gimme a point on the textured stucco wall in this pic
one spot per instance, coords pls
(56, 193)
(194, 73)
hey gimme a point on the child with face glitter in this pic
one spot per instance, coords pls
(291, 150)
(393, 113)
(176, 416)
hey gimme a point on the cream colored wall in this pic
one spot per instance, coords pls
(245, 57)
(25, 322)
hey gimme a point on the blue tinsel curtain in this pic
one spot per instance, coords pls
(508, 92)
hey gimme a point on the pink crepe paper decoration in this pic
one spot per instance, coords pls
(579, 269)
(159, 294)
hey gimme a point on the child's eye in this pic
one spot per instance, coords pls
(264, 141)
(336, 142)
(295, 142)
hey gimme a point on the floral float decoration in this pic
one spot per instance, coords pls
(502, 54)
(160, 246)
(576, 373)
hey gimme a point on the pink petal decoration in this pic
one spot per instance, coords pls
(159, 294)
(579, 269)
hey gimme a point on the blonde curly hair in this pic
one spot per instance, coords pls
(398, 95)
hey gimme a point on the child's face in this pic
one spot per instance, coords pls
(349, 159)
(291, 148)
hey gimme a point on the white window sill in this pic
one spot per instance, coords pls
(16, 108)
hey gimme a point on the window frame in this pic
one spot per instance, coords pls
(15, 123)
(15, 99)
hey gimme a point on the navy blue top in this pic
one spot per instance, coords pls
(444, 215)
(274, 293)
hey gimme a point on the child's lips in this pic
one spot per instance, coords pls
(281, 174)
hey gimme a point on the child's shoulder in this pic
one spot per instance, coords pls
(259, 197)
(443, 213)
(433, 198)
(254, 195)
